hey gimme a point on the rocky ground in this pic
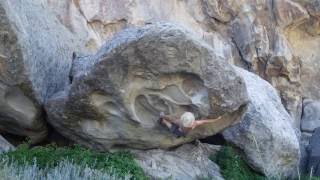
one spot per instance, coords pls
(100, 72)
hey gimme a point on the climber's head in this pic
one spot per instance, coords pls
(187, 119)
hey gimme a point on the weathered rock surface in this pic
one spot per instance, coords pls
(311, 116)
(305, 42)
(288, 12)
(5, 146)
(186, 162)
(265, 50)
(116, 95)
(314, 153)
(266, 133)
(97, 20)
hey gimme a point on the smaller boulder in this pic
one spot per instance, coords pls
(304, 143)
(186, 162)
(266, 133)
(311, 116)
(314, 153)
(5, 146)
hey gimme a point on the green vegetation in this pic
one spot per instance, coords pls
(65, 170)
(233, 166)
(120, 164)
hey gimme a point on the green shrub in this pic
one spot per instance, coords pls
(233, 166)
(120, 163)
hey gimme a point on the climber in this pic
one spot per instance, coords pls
(183, 124)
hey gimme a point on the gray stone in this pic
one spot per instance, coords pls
(311, 116)
(266, 133)
(304, 143)
(186, 162)
(314, 153)
(116, 97)
(35, 59)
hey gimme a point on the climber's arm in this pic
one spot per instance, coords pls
(205, 121)
(166, 123)
(167, 120)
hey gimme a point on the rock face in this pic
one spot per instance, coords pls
(266, 133)
(305, 42)
(97, 20)
(5, 146)
(265, 50)
(288, 13)
(186, 162)
(314, 153)
(116, 95)
(35, 59)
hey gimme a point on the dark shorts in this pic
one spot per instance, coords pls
(175, 130)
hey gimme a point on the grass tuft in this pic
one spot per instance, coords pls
(233, 166)
(65, 170)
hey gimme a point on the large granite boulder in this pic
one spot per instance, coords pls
(35, 59)
(266, 133)
(116, 95)
(186, 162)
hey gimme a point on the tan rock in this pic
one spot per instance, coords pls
(221, 10)
(267, 52)
(289, 13)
